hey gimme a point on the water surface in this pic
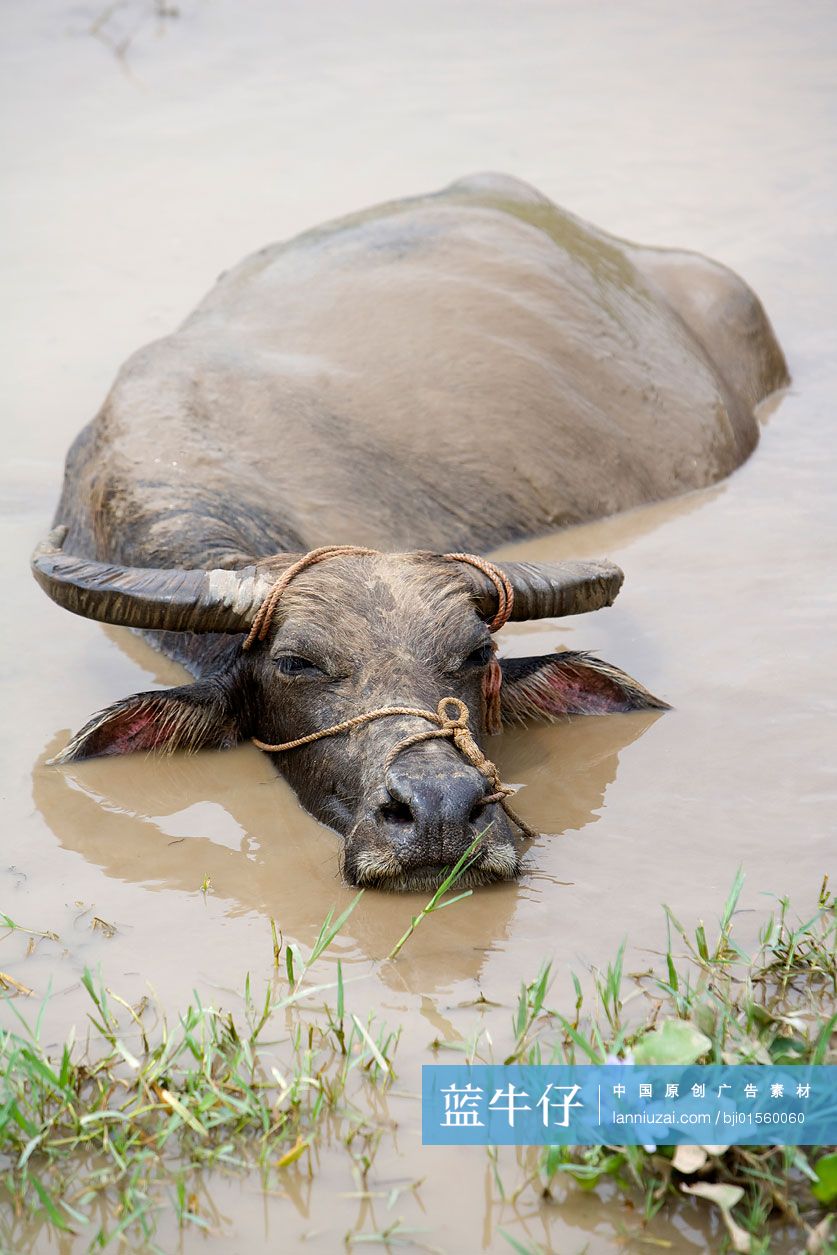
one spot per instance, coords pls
(131, 182)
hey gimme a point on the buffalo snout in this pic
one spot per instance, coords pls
(433, 818)
(431, 810)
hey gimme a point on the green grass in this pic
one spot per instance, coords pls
(778, 1005)
(123, 1127)
(100, 1137)
(128, 1118)
(436, 902)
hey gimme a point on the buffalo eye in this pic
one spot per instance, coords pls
(479, 657)
(295, 664)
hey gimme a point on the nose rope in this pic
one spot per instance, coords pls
(453, 727)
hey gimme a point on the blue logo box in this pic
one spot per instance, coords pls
(628, 1105)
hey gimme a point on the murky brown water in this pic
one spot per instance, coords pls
(129, 187)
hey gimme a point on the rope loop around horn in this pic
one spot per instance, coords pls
(498, 577)
(264, 616)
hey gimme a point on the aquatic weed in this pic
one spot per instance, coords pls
(143, 1105)
(778, 1005)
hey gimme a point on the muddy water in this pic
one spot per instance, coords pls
(131, 183)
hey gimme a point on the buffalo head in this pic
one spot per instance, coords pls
(350, 635)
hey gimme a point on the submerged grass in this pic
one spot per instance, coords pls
(99, 1139)
(778, 1005)
(126, 1119)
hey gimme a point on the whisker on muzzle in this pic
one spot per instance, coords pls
(379, 868)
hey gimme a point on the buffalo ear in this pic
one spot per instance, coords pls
(569, 683)
(193, 717)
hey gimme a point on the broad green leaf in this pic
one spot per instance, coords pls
(825, 1189)
(672, 1042)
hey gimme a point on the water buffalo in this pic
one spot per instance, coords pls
(442, 373)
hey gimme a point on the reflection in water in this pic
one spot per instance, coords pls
(540, 1221)
(281, 120)
(168, 822)
(568, 766)
(161, 670)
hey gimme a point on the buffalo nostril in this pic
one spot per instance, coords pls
(434, 803)
(397, 812)
(476, 811)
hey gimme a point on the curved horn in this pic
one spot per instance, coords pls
(166, 600)
(549, 590)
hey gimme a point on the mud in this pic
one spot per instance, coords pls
(130, 182)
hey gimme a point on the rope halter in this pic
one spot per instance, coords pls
(453, 727)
